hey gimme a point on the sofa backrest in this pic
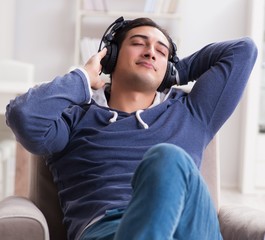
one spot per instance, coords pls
(43, 193)
(210, 170)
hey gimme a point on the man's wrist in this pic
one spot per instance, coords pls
(88, 80)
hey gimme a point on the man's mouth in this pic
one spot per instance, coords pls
(146, 64)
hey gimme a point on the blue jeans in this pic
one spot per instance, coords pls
(170, 201)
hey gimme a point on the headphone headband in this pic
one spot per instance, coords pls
(112, 29)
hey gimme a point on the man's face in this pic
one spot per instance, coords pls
(142, 59)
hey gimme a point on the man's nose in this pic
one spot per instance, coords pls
(150, 52)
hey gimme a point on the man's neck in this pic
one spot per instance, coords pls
(130, 101)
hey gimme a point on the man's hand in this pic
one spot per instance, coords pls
(93, 68)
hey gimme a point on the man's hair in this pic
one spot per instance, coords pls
(138, 22)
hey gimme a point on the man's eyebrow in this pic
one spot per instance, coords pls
(146, 37)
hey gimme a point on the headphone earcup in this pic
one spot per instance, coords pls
(109, 61)
(169, 78)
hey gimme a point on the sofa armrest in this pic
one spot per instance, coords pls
(21, 219)
(244, 223)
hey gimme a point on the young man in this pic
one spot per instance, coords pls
(126, 158)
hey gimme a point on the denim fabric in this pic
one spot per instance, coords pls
(170, 201)
(105, 228)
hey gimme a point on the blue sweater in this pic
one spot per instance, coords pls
(93, 151)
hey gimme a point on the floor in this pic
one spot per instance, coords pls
(234, 197)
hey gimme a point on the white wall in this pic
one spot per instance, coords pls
(7, 26)
(208, 21)
(7, 14)
(44, 35)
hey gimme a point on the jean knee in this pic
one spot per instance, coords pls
(164, 160)
(167, 154)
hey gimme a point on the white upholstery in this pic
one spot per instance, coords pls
(21, 219)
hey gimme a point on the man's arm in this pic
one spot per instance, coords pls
(37, 118)
(221, 71)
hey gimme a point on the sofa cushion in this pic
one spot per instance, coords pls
(21, 219)
(242, 223)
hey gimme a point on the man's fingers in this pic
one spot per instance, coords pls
(102, 53)
(99, 83)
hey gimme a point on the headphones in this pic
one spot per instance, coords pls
(109, 61)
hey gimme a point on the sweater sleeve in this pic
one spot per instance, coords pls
(221, 71)
(36, 117)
